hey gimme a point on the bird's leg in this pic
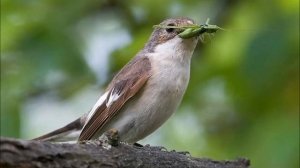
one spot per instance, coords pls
(112, 137)
(109, 138)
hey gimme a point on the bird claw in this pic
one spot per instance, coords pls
(108, 139)
(112, 137)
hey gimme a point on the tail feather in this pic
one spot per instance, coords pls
(62, 132)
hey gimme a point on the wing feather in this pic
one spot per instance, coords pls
(124, 86)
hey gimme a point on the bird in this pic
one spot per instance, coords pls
(144, 93)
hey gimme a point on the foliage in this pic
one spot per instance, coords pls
(243, 96)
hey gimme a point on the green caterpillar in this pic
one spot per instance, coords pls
(193, 30)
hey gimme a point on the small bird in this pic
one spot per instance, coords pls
(145, 92)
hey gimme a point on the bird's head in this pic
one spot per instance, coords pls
(168, 32)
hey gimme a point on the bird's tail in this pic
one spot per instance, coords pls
(65, 133)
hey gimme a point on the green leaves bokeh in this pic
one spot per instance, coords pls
(243, 96)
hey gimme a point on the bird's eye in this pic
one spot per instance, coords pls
(170, 30)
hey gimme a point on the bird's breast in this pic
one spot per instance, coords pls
(156, 102)
(169, 76)
(161, 96)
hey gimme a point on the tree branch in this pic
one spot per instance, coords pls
(21, 153)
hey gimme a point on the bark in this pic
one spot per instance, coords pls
(25, 154)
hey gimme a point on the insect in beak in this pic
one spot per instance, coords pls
(198, 30)
(194, 30)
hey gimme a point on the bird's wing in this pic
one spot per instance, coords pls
(124, 86)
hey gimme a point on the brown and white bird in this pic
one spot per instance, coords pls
(146, 91)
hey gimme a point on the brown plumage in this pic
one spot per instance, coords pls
(126, 84)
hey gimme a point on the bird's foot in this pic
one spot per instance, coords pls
(112, 137)
(108, 139)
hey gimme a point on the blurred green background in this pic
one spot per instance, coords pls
(243, 97)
